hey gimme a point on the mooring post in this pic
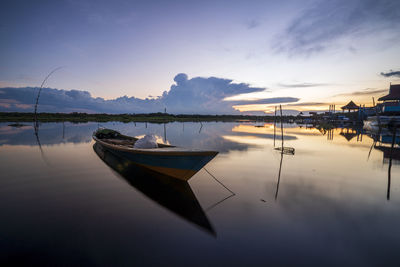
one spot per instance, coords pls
(280, 106)
(390, 161)
(274, 126)
(165, 134)
(279, 178)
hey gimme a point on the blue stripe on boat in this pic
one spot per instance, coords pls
(191, 162)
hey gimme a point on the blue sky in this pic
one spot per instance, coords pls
(318, 52)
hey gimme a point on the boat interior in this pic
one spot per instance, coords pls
(115, 138)
(127, 142)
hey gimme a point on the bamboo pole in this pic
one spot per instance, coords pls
(279, 178)
(40, 90)
(390, 162)
(274, 126)
(280, 106)
(165, 134)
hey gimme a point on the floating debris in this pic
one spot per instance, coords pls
(286, 150)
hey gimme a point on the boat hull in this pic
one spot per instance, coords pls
(373, 123)
(182, 167)
(178, 164)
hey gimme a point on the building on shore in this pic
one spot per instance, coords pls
(350, 106)
(391, 102)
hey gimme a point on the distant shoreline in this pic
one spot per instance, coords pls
(150, 117)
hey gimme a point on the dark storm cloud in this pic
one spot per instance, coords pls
(320, 25)
(55, 100)
(391, 73)
(196, 95)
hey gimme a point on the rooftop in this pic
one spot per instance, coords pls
(350, 105)
(394, 93)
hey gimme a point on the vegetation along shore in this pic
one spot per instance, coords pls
(150, 117)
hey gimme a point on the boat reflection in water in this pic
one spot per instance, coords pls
(171, 193)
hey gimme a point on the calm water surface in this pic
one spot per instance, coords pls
(333, 203)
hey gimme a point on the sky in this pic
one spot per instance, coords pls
(198, 56)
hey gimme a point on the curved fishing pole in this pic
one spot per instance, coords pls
(36, 123)
(40, 90)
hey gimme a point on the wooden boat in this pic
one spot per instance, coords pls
(177, 162)
(173, 194)
(372, 123)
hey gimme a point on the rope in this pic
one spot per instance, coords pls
(219, 181)
(219, 202)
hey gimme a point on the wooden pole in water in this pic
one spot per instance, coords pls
(377, 114)
(390, 162)
(279, 178)
(370, 149)
(280, 106)
(165, 134)
(274, 126)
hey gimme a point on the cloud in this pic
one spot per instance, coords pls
(197, 95)
(203, 95)
(56, 100)
(308, 104)
(9, 101)
(365, 92)
(24, 106)
(301, 85)
(273, 100)
(325, 22)
(391, 73)
(251, 24)
(5, 105)
(98, 13)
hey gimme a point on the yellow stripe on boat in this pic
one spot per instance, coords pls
(180, 174)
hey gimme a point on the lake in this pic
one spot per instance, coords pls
(336, 201)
